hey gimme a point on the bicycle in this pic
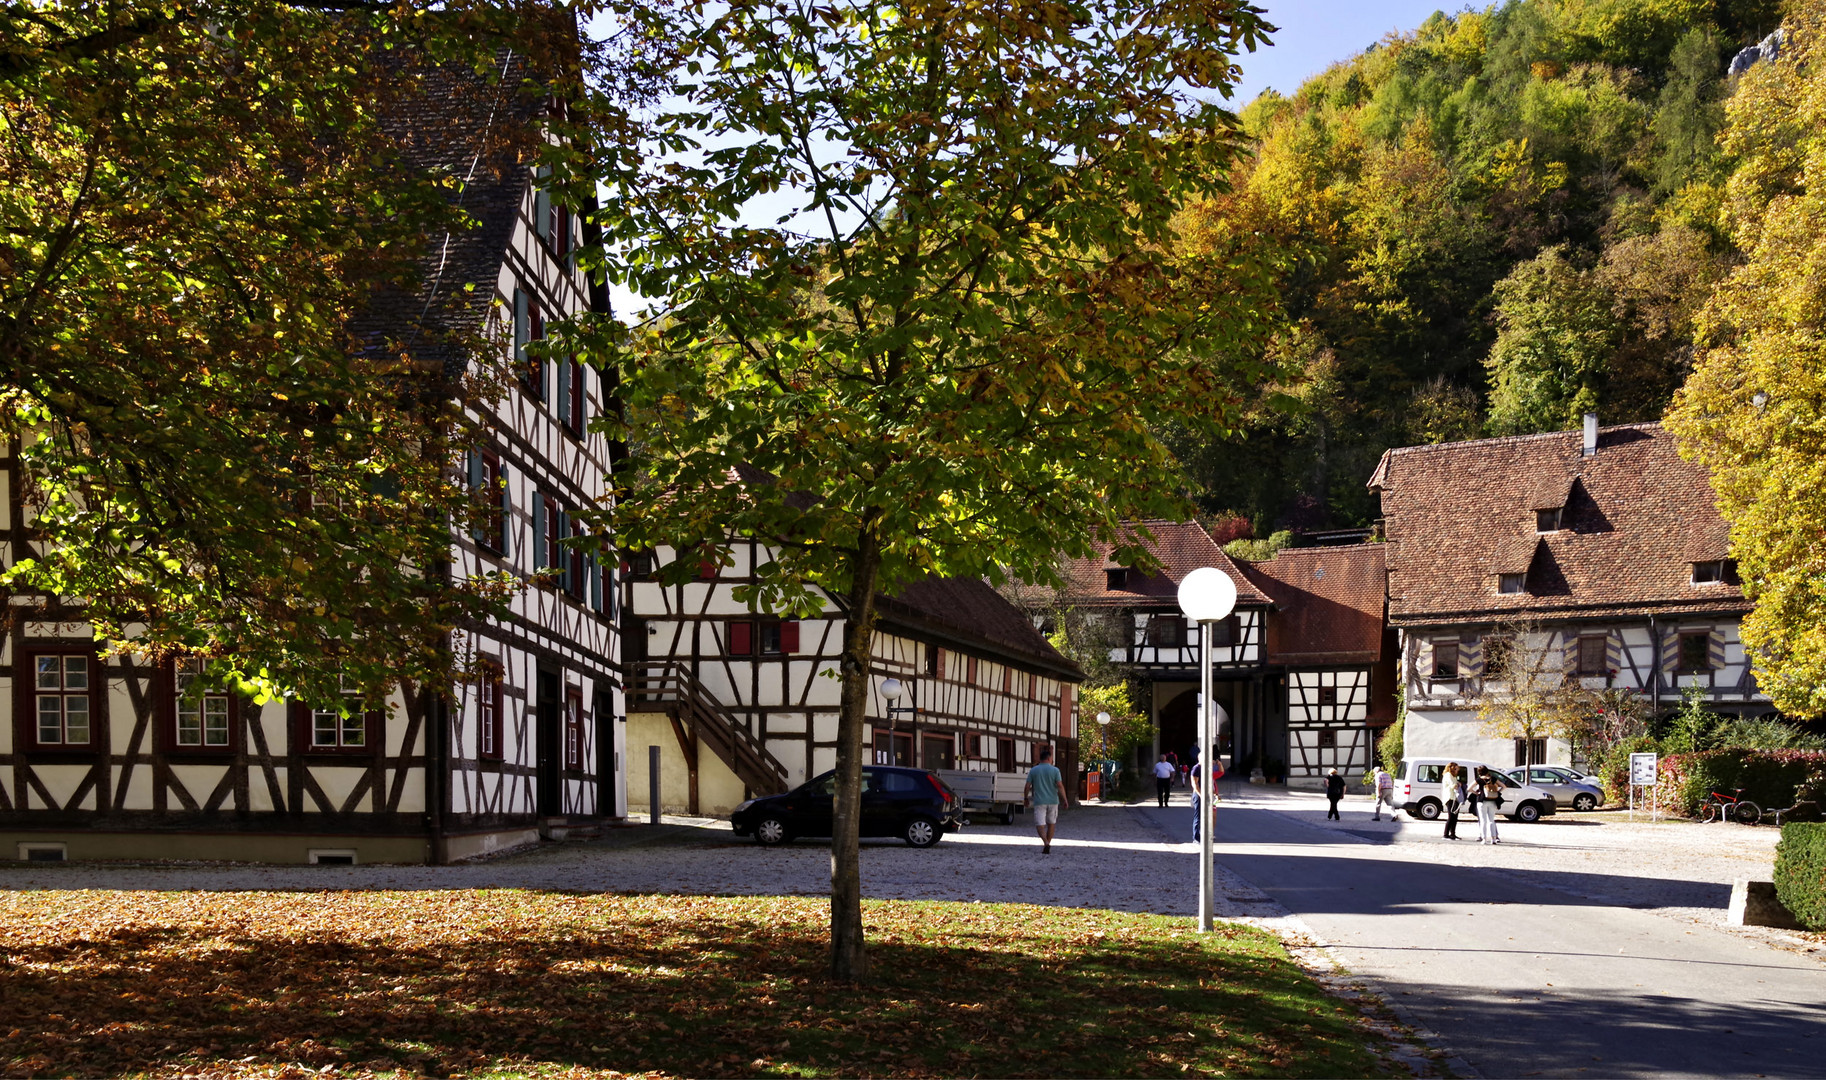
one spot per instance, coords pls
(1721, 807)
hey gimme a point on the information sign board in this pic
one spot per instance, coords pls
(1642, 770)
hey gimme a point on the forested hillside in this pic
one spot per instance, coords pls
(1488, 226)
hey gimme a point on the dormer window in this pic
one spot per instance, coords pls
(1546, 521)
(1510, 583)
(1712, 572)
(1118, 577)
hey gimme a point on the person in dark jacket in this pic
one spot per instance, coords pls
(1334, 790)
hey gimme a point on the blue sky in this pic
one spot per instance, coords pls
(1315, 34)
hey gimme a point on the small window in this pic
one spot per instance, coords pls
(1695, 653)
(1509, 583)
(1445, 659)
(1116, 577)
(201, 717)
(1328, 738)
(574, 417)
(1530, 751)
(1167, 632)
(1328, 695)
(62, 700)
(488, 711)
(1548, 520)
(1227, 632)
(1709, 573)
(332, 730)
(492, 494)
(932, 667)
(573, 728)
(331, 856)
(779, 638)
(1592, 659)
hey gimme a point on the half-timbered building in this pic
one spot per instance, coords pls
(113, 758)
(1331, 653)
(741, 702)
(1600, 551)
(1153, 640)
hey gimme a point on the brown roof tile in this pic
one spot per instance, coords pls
(1457, 514)
(1181, 547)
(970, 610)
(1328, 603)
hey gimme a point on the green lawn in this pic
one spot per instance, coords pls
(488, 983)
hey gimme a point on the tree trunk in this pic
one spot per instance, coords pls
(849, 963)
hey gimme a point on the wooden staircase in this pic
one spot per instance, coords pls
(700, 720)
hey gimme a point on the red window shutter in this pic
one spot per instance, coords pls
(706, 569)
(741, 639)
(1007, 678)
(970, 671)
(938, 662)
(789, 636)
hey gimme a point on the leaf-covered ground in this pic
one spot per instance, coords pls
(490, 982)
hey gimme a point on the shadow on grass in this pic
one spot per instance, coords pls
(544, 982)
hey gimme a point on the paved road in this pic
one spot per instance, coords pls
(1525, 980)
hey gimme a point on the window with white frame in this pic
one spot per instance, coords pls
(61, 693)
(331, 729)
(201, 715)
(488, 710)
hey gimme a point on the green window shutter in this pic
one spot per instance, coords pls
(523, 330)
(564, 555)
(507, 516)
(542, 206)
(537, 560)
(592, 568)
(564, 391)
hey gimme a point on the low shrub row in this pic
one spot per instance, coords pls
(1800, 872)
(1773, 779)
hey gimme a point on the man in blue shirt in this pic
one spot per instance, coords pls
(1045, 794)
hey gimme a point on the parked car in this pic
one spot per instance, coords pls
(1566, 787)
(1417, 790)
(913, 804)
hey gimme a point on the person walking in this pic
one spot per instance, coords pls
(1334, 790)
(1452, 796)
(1385, 793)
(1163, 780)
(1192, 781)
(1045, 793)
(1489, 799)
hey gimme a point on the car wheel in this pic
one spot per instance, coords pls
(1527, 813)
(922, 832)
(1584, 802)
(1008, 817)
(1428, 810)
(770, 831)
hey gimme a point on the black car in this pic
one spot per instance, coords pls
(913, 804)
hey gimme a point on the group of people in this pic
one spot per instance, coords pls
(1482, 793)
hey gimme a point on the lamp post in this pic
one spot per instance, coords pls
(1206, 596)
(891, 690)
(1103, 740)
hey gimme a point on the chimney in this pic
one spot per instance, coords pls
(1591, 434)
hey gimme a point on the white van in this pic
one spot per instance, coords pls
(1417, 790)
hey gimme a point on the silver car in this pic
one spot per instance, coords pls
(1566, 787)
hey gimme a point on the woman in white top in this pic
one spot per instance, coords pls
(1452, 796)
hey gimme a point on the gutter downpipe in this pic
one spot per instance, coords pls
(1654, 668)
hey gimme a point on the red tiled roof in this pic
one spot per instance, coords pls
(1635, 516)
(1328, 603)
(1181, 547)
(968, 609)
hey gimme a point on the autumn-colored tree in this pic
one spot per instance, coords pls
(1751, 412)
(1526, 692)
(945, 355)
(210, 217)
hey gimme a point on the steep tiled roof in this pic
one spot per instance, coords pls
(454, 124)
(1635, 514)
(968, 609)
(1328, 603)
(1181, 547)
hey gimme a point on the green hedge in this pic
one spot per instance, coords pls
(1800, 872)
(1770, 778)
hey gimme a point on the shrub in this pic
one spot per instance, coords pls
(1391, 745)
(1800, 872)
(1258, 550)
(1613, 768)
(1770, 778)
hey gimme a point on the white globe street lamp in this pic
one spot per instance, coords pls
(1206, 595)
(892, 689)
